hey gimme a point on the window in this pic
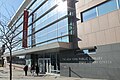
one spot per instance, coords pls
(107, 7)
(86, 51)
(119, 3)
(89, 51)
(90, 14)
(100, 10)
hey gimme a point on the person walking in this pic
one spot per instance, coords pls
(32, 70)
(26, 69)
(37, 70)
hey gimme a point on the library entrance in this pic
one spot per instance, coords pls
(49, 64)
(44, 65)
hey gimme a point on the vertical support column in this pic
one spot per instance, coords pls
(47, 66)
(33, 41)
(69, 72)
(50, 65)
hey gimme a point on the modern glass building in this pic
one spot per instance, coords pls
(78, 38)
(51, 28)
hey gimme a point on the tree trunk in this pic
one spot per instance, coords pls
(10, 64)
(2, 62)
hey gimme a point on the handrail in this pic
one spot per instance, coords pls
(71, 71)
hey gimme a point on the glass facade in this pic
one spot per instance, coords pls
(48, 22)
(119, 3)
(101, 9)
(48, 28)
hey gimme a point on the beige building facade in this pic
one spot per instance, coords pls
(102, 30)
(98, 33)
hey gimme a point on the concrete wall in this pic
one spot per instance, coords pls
(105, 64)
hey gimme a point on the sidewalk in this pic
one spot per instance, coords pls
(19, 75)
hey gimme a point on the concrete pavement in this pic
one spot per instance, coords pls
(19, 75)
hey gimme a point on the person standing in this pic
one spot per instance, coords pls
(37, 70)
(32, 70)
(26, 69)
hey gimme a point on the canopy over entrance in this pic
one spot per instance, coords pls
(52, 47)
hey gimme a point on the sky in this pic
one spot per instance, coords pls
(8, 8)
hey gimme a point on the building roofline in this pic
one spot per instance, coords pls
(19, 11)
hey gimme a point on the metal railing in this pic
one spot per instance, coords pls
(71, 71)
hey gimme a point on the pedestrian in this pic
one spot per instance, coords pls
(37, 70)
(26, 69)
(32, 70)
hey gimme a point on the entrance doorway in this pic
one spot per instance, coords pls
(44, 65)
(49, 63)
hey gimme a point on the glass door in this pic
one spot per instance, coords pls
(44, 65)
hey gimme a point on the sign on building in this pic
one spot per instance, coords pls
(25, 29)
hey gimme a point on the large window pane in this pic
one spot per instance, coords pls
(64, 39)
(54, 30)
(119, 3)
(107, 7)
(90, 14)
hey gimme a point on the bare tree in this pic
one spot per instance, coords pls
(8, 38)
(8, 34)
